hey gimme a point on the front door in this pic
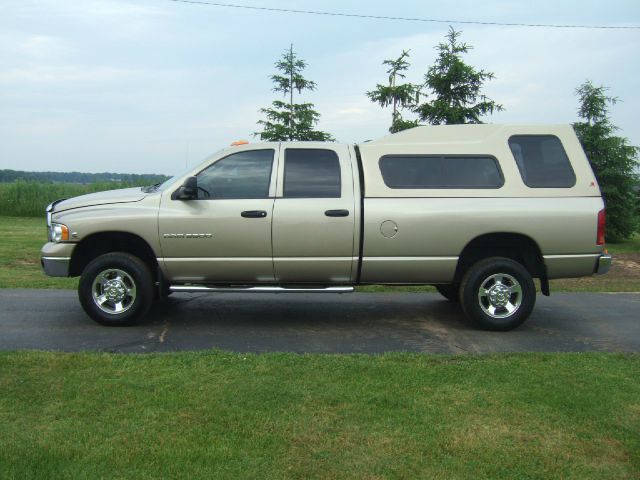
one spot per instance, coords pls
(225, 234)
(314, 215)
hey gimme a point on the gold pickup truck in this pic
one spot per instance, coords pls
(479, 211)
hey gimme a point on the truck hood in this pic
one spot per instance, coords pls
(124, 195)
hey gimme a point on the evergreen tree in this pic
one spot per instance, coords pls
(613, 160)
(288, 120)
(399, 96)
(455, 87)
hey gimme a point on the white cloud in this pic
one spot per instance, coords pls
(123, 18)
(44, 47)
(67, 75)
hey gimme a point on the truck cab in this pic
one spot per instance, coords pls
(266, 213)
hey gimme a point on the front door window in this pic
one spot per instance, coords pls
(241, 175)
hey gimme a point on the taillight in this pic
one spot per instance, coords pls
(601, 227)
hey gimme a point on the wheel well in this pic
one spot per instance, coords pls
(518, 247)
(106, 242)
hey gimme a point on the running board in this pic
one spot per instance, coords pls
(258, 289)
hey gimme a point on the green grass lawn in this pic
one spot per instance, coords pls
(23, 237)
(219, 415)
(628, 246)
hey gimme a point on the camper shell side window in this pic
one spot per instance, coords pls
(542, 161)
(440, 171)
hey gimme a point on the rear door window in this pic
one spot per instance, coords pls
(311, 173)
(542, 161)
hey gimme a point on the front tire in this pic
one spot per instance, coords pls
(497, 294)
(116, 289)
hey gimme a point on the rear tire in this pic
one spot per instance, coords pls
(116, 289)
(451, 292)
(497, 294)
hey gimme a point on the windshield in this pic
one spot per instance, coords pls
(158, 187)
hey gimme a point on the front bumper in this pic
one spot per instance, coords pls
(55, 258)
(604, 264)
(56, 266)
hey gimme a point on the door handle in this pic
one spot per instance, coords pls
(337, 213)
(254, 214)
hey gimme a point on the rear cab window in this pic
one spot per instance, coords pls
(440, 171)
(542, 161)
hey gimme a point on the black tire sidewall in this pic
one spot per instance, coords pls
(140, 274)
(473, 280)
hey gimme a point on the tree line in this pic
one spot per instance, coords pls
(7, 176)
(452, 93)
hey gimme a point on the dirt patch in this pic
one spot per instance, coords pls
(24, 263)
(625, 265)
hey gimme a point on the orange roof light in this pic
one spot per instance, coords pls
(237, 143)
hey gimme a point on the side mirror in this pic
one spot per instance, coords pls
(188, 190)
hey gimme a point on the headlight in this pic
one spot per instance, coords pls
(58, 233)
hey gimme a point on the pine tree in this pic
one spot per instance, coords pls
(455, 87)
(399, 96)
(288, 120)
(612, 158)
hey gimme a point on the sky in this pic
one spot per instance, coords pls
(152, 86)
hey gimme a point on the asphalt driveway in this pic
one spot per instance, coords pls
(333, 323)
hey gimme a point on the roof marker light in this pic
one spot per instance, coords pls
(237, 143)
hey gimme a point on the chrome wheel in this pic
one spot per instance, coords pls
(500, 295)
(113, 291)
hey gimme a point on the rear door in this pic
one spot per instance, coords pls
(314, 215)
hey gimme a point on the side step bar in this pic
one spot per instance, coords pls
(258, 289)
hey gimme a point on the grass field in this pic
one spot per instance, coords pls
(23, 238)
(29, 199)
(218, 415)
